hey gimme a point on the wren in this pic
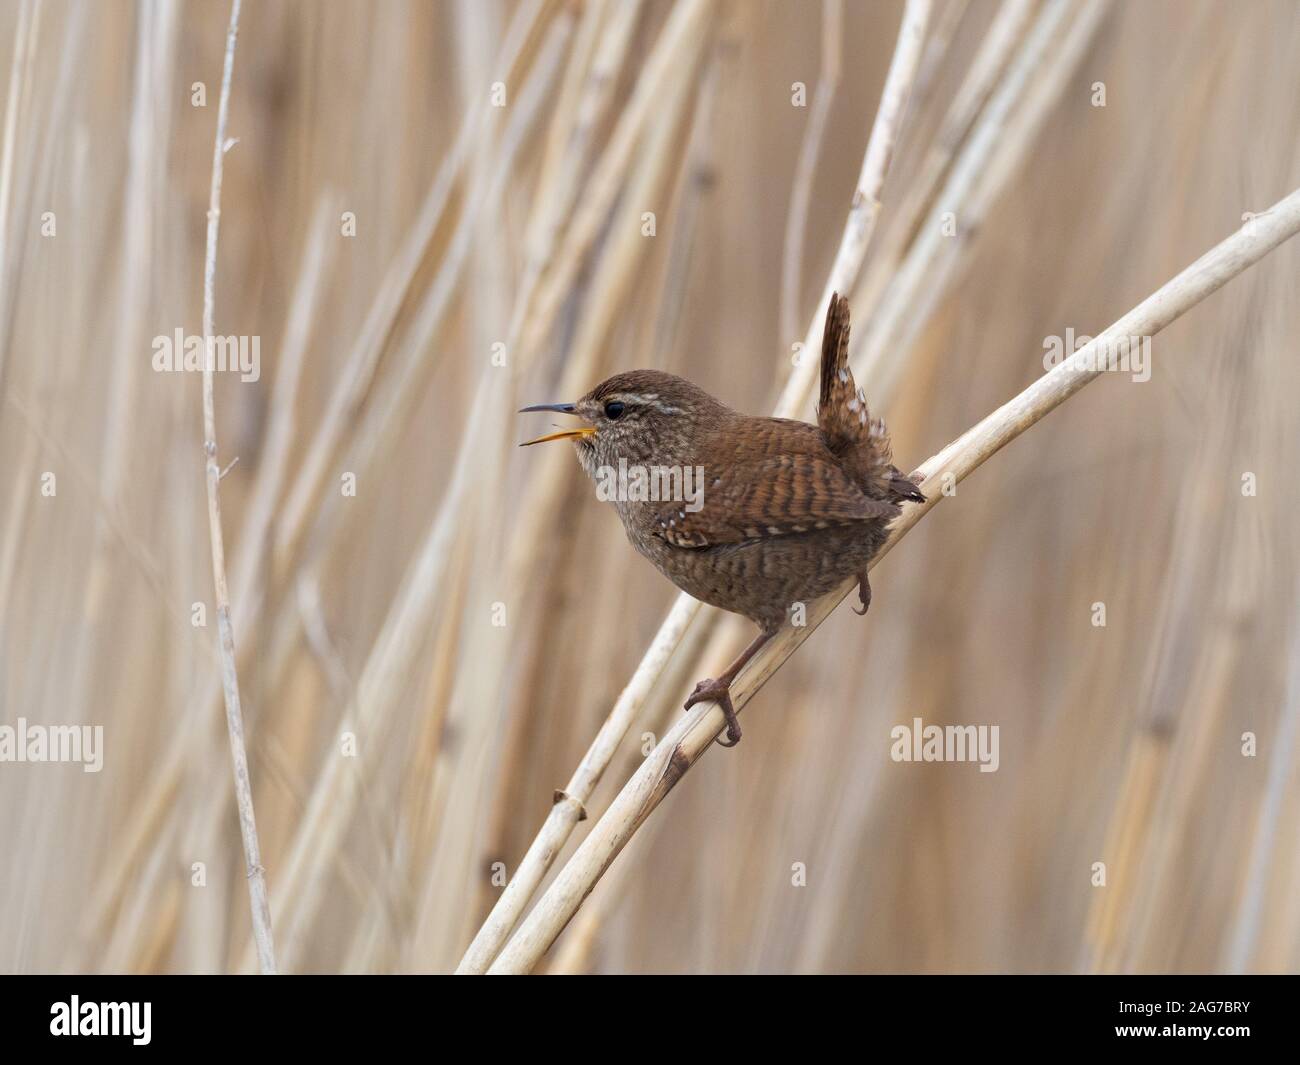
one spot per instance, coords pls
(783, 512)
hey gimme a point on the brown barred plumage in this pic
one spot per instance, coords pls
(785, 511)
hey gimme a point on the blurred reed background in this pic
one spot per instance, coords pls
(471, 614)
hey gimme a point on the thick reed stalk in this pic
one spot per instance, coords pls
(693, 735)
(569, 807)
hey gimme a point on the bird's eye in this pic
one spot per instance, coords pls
(614, 410)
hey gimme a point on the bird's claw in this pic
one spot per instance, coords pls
(864, 596)
(710, 689)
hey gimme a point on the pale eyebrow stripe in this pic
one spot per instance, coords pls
(647, 399)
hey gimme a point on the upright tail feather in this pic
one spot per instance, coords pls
(836, 377)
(861, 442)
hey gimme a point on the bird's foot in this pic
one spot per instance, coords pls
(864, 596)
(717, 691)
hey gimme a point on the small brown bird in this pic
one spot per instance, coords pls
(750, 514)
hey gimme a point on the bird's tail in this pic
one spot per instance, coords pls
(859, 440)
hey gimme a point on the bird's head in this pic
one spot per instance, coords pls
(642, 416)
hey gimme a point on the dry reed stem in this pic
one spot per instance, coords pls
(585, 96)
(391, 409)
(1005, 640)
(1244, 937)
(1138, 818)
(261, 910)
(1001, 38)
(999, 41)
(796, 219)
(1009, 122)
(25, 37)
(865, 207)
(724, 639)
(340, 420)
(714, 637)
(1191, 750)
(1192, 740)
(29, 17)
(676, 39)
(941, 34)
(396, 649)
(674, 50)
(981, 77)
(149, 122)
(648, 127)
(693, 735)
(569, 807)
(131, 544)
(1107, 917)
(587, 92)
(329, 440)
(644, 131)
(693, 185)
(613, 278)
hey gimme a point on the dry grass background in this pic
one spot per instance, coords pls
(374, 614)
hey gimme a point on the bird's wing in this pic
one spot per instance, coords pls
(774, 478)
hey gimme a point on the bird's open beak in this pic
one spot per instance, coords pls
(566, 434)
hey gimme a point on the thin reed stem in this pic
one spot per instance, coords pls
(257, 896)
